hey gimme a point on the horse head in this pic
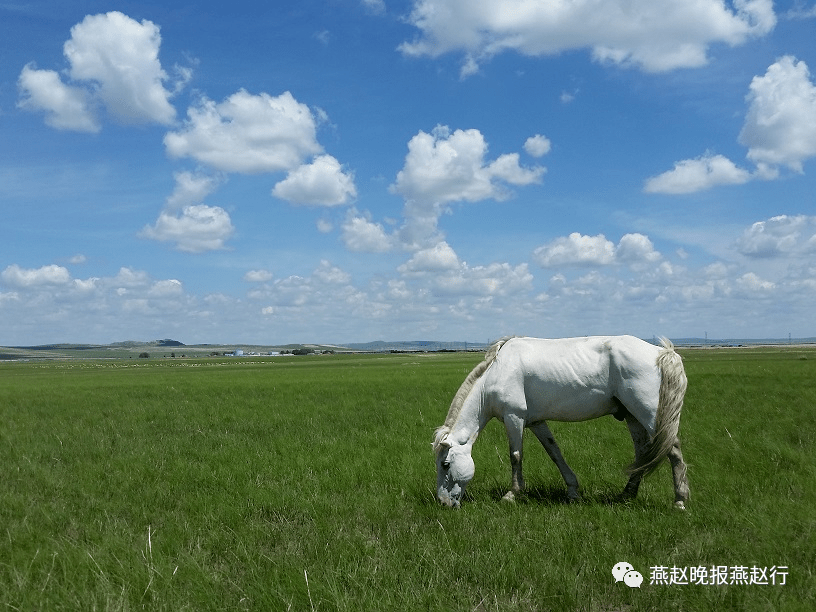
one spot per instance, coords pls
(454, 468)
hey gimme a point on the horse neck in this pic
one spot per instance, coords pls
(472, 416)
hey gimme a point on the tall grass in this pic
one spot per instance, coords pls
(307, 484)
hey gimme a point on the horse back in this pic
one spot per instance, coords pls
(573, 379)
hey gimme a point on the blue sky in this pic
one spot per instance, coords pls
(356, 170)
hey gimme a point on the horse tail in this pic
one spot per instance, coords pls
(464, 390)
(673, 384)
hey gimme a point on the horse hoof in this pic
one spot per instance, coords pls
(679, 505)
(573, 498)
(509, 497)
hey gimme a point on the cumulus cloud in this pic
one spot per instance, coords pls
(754, 284)
(537, 145)
(190, 189)
(360, 234)
(691, 175)
(247, 133)
(331, 274)
(496, 279)
(446, 166)
(449, 276)
(576, 249)
(16, 276)
(636, 249)
(166, 289)
(654, 35)
(129, 278)
(579, 250)
(321, 183)
(196, 229)
(193, 226)
(780, 128)
(778, 236)
(438, 258)
(114, 65)
(48, 305)
(258, 276)
(66, 107)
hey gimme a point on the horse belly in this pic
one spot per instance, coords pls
(567, 404)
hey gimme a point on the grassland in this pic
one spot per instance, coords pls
(307, 484)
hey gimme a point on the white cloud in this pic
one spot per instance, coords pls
(376, 7)
(247, 133)
(129, 278)
(446, 167)
(717, 270)
(197, 229)
(321, 183)
(449, 276)
(799, 11)
(360, 234)
(654, 35)
(86, 285)
(166, 289)
(258, 276)
(753, 283)
(634, 250)
(441, 257)
(496, 279)
(330, 274)
(576, 249)
(537, 145)
(16, 276)
(66, 107)
(691, 175)
(778, 236)
(190, 189)
(120, 56)
(113, 64)
(780, 128)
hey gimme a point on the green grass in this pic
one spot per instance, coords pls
(307, 484)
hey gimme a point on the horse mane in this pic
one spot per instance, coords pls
(464, 390)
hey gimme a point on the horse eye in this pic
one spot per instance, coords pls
(446, 464)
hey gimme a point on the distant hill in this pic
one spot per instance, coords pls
(131, 349)
(381, 346)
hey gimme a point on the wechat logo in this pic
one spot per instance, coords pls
(624, 571)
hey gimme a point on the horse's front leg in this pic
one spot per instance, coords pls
(544, 435)
(515, 434)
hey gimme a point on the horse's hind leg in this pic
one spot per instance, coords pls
(640, 439)
(681, 486)
(544, 435)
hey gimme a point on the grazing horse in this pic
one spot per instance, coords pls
(526, 381)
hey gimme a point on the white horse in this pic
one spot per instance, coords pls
(526, 381)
